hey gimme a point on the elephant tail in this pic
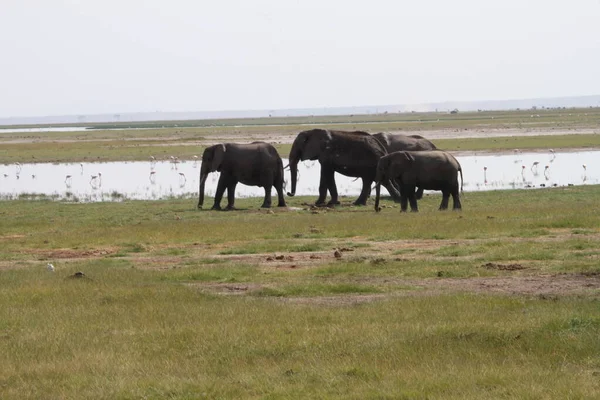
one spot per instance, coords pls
(281, 168)
(461, 179)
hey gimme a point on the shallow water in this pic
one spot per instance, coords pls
(115, 181)
(43, 129)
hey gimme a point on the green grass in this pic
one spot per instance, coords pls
(188, 138)
(183, 303)
(126, 338)
(144, 325)
(522, 143)
(93, 151)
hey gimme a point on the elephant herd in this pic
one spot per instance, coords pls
(404, 165)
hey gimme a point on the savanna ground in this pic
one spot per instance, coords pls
(501, 300)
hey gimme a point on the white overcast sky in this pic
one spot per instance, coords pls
(102, 56)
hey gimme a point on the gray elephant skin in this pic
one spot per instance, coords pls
(352, 154)
(399, 142)
(254, 164)
(431, 170)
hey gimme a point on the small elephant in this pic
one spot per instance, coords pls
(431, 170)
(398, 142)
(254, 164)
(353, 154)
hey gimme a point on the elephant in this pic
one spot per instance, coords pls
(432, 170)
(254, 164)
(353, 154)
(399, 142)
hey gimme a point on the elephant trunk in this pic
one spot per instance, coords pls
(294, 158)
(294, 173)
(203, 176)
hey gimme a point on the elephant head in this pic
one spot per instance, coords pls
(308, 145)
(388, 168)
(212, 160)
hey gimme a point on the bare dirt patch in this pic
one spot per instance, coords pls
(516, 277)
(504, 267)
(537, 285)
(541, 286)
(72, 254)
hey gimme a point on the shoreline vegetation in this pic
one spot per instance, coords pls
(463, 132)
(497, 301)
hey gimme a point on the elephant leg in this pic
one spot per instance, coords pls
(267, 201)
(323, 186)
(221, 186)
(332, 190)
(231, 195)
(364, 193)
(412, 200)
(280, 197)
(403, 203)
(445, 199)
(419, 194)
(456, 199)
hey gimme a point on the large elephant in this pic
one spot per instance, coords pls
(254, 164)
(399, 142)
(349, 153)
(432, 170)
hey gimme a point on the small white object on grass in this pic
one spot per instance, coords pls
(50, 267)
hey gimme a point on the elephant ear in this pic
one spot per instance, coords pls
(218, 156)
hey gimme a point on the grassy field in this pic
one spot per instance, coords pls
(181, 303)
(501, 300)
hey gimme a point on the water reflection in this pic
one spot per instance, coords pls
(152, 180)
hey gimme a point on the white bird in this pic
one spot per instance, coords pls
(50, 267)
(67, 178)
(535, 164)
(152, 176)
(182, 175)
(152, 158)
(584, 167)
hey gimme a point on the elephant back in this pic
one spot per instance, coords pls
(399, 142)
(360, 143)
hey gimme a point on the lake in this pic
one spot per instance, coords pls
(115, 181)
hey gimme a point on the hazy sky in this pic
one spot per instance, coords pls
(103, 56)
